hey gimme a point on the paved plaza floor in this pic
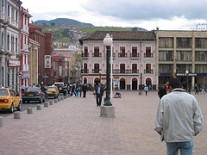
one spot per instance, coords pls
(73, 126)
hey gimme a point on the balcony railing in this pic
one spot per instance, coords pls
(85, 56)
(134, 55)
(96, 54)
(96, 70)
(148, 71)
(84, 70)
(148, 55)
(122, 54)
(125, 71)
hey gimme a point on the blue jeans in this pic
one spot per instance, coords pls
(186, 148)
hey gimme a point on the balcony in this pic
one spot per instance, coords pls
(84, 71)
(123, 55)
(125, 71)
(148, 55)
(148, 71)
(134, 56)
(96, 70)
(85, 56)
(96, 54)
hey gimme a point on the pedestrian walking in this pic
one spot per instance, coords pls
(80, 90)
(76, 90)
(178, 119)
(196, 89)
(84, 88)
(99, 93)
(146, 89)
(162, 91)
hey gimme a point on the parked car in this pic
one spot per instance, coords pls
(9, 100)
(61, 87)
(33, 94)
(52, 91)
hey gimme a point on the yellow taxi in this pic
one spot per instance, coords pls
(52, 91)
(9, 100)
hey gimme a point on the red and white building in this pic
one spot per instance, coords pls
(24, 45)
(133, 63)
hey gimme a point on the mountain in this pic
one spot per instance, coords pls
(61, 21)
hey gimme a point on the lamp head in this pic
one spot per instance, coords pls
(108, 40)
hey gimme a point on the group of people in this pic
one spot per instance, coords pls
(77, 90)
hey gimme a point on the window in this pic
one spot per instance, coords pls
(148, 52)
(8, 11)
(85, 52)
(8, 42)
(134, 68)
(96, 51)
(122, 68)
(201, 43)
(96, 68)
(148, 68)
(16, 43)
(184, 42)
(134, 52)
(12, 13)
(12, 43)
(122, 51)
(165, 42)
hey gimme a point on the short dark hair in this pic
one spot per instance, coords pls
(175, 83)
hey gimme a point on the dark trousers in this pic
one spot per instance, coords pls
(98, 99)
(84, 93)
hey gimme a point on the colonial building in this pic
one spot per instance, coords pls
(182, 54)
(63, 60)
(9, 42)
(45, 70)
(133, 63)
(33, 61)
(24, 45)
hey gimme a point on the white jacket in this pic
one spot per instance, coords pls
(179, 117)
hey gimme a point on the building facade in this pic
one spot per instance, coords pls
(24, 45)
(33, 61)
(9, 42)
(133, 59)
(45, 69)
(63, 60)
(181, 51)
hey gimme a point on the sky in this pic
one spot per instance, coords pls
(148, 14)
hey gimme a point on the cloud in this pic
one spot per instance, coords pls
(149, 14)
(150, 9)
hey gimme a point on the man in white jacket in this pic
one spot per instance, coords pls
(178, 119)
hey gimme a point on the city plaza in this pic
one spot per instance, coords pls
(73, 126)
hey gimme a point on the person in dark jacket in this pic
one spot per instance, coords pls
(99, 94)
(162, 91)
(84, 89)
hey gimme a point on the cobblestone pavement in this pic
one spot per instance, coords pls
(73, 126)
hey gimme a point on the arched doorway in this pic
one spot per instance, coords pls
(134, 84)
(96, 81)
(149, 83)
(122, 83)
(85, 80)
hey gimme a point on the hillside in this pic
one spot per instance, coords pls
(69, 31)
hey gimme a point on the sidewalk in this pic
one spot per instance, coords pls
(73, 127)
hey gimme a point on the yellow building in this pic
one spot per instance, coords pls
(182, 54)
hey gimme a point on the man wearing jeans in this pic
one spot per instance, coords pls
(178, 119)
(99, 93)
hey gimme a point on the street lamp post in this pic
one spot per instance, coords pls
(187, 73)
(107, 110)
